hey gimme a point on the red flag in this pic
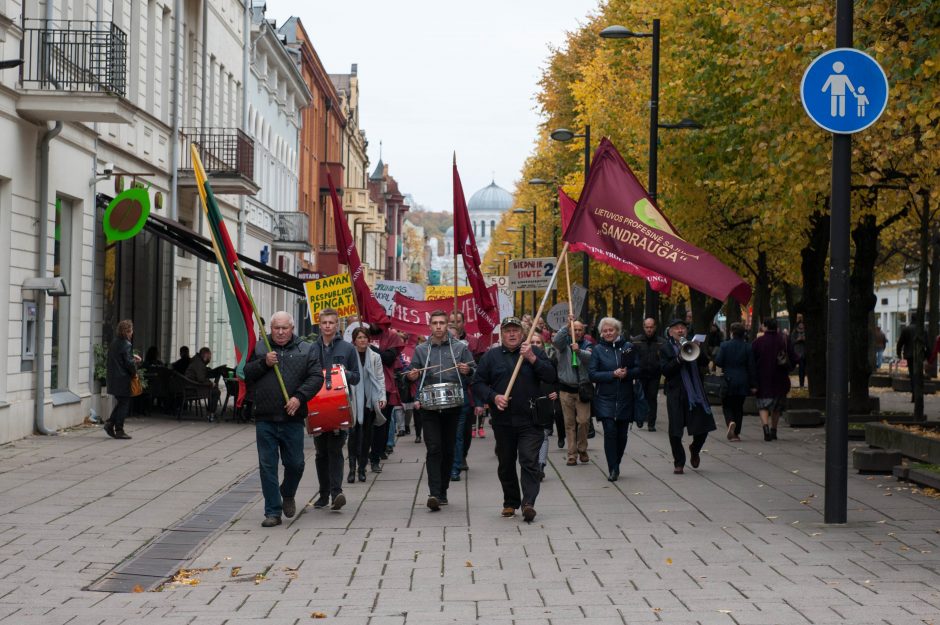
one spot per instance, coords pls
(370, 310)
(414, 315)
(486, 306)
(616, 216)
(657, 282)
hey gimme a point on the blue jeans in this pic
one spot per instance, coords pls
(286, 439)
(393, 426)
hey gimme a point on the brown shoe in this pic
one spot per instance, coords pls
(695, 458)
(678, 471)
(572, 461)
(583, 457)
(434, 503)
(508, 512)
(528, 513)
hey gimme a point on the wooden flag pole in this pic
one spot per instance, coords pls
(456, 244)
(201, 181)
(574, 353)
(538, 315)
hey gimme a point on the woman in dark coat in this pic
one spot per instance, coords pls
(613, 367)
(773, 378)
(737, 365)
(686, 403)
(122, 366)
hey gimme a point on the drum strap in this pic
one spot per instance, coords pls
(427, 362)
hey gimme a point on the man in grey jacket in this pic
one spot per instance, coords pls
(571, 374)
(279, 426)
(441, 359)
(333, 350)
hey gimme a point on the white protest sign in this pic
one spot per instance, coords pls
(557, 317)
(505, 296)
(385, 290)
(531, 274)
(578, 295)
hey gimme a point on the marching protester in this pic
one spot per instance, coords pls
(279, 426)
(370, 400)
(613, 367)
(576, 389)
(686, 404)
(333, 350)
(736, 359)
(441, 362)
(774, 357)
(517, 434)
(467, 421)
(648, 346)
(390, 346)
(121, 367)
(548, 409)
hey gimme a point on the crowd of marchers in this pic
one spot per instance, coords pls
(528, 384)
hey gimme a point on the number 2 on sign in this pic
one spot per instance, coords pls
(549, 268)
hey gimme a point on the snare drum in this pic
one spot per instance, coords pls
(440, 396)
(330, 409)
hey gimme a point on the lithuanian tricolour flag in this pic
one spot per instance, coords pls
(237, 299)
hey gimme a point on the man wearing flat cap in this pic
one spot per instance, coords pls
(686, 403)
(518, 435)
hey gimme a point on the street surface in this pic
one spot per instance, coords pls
(740, 540)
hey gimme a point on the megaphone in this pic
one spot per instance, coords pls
(689, 351)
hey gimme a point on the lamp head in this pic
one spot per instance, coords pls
(540, 181)
(562, 134)
(620, 32)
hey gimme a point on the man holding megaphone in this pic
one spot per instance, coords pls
(686, 403)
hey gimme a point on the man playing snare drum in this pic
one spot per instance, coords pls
(439, 367)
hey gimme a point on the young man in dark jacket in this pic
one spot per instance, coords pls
(647, 347)
(514, 422)
(279, 425)
(333, 350)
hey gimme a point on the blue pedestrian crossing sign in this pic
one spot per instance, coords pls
(844, 90)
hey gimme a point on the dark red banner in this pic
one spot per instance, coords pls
(412, 315)
(486, 306)
(616, 216)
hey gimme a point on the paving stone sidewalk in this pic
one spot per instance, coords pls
(740, 540)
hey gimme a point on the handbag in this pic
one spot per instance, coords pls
(586, 392)
(137, 388)
(783, 358)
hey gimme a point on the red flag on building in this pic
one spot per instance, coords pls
(486, 306)
(370, 310)
(658, 282)
(616, 216)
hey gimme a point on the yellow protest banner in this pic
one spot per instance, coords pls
(330, 292)
(444, 292)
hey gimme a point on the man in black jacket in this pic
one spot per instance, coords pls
(279, 425)
(513, 418)
(333, 350)
(648, 346)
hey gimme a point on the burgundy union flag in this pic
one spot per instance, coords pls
(616, 215)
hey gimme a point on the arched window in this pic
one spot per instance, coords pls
(492, 226)
(475, 229)
(482, 229)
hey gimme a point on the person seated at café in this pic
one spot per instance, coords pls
(198, 372)
(181, 365)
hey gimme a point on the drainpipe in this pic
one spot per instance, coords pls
(246, 60)
(200, 266)
(175, 160)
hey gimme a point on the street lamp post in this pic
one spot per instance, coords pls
(563, 134)
(535, 245)
(619, 32)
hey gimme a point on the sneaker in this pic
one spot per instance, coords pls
(678, 470)
(481, 433)
(389, 450)
(454, 477)
(508, 512)
(338, 502)
(695, 459)
(434, 503)
(289, 507)
(473, 433)
(321, 502)
(271, 521)
(528, 513)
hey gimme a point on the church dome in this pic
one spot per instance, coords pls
(492, 198)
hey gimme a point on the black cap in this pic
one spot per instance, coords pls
(676, 322)
(510, 321)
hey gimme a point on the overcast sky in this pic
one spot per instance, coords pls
(439, 76)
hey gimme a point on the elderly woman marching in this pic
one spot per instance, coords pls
(613, 367)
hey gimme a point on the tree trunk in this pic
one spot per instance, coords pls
(732, 313)
(791, 304)
(761, 294)
(815, 300)
(862, 303)
(933, 317)
(917, 379)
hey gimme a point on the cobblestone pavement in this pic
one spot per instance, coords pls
(740, 540)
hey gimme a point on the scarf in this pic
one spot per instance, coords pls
(692, 384)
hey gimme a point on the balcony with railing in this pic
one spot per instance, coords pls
(292, 232)
(335, 170)
(228, 156)
(74, 71)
